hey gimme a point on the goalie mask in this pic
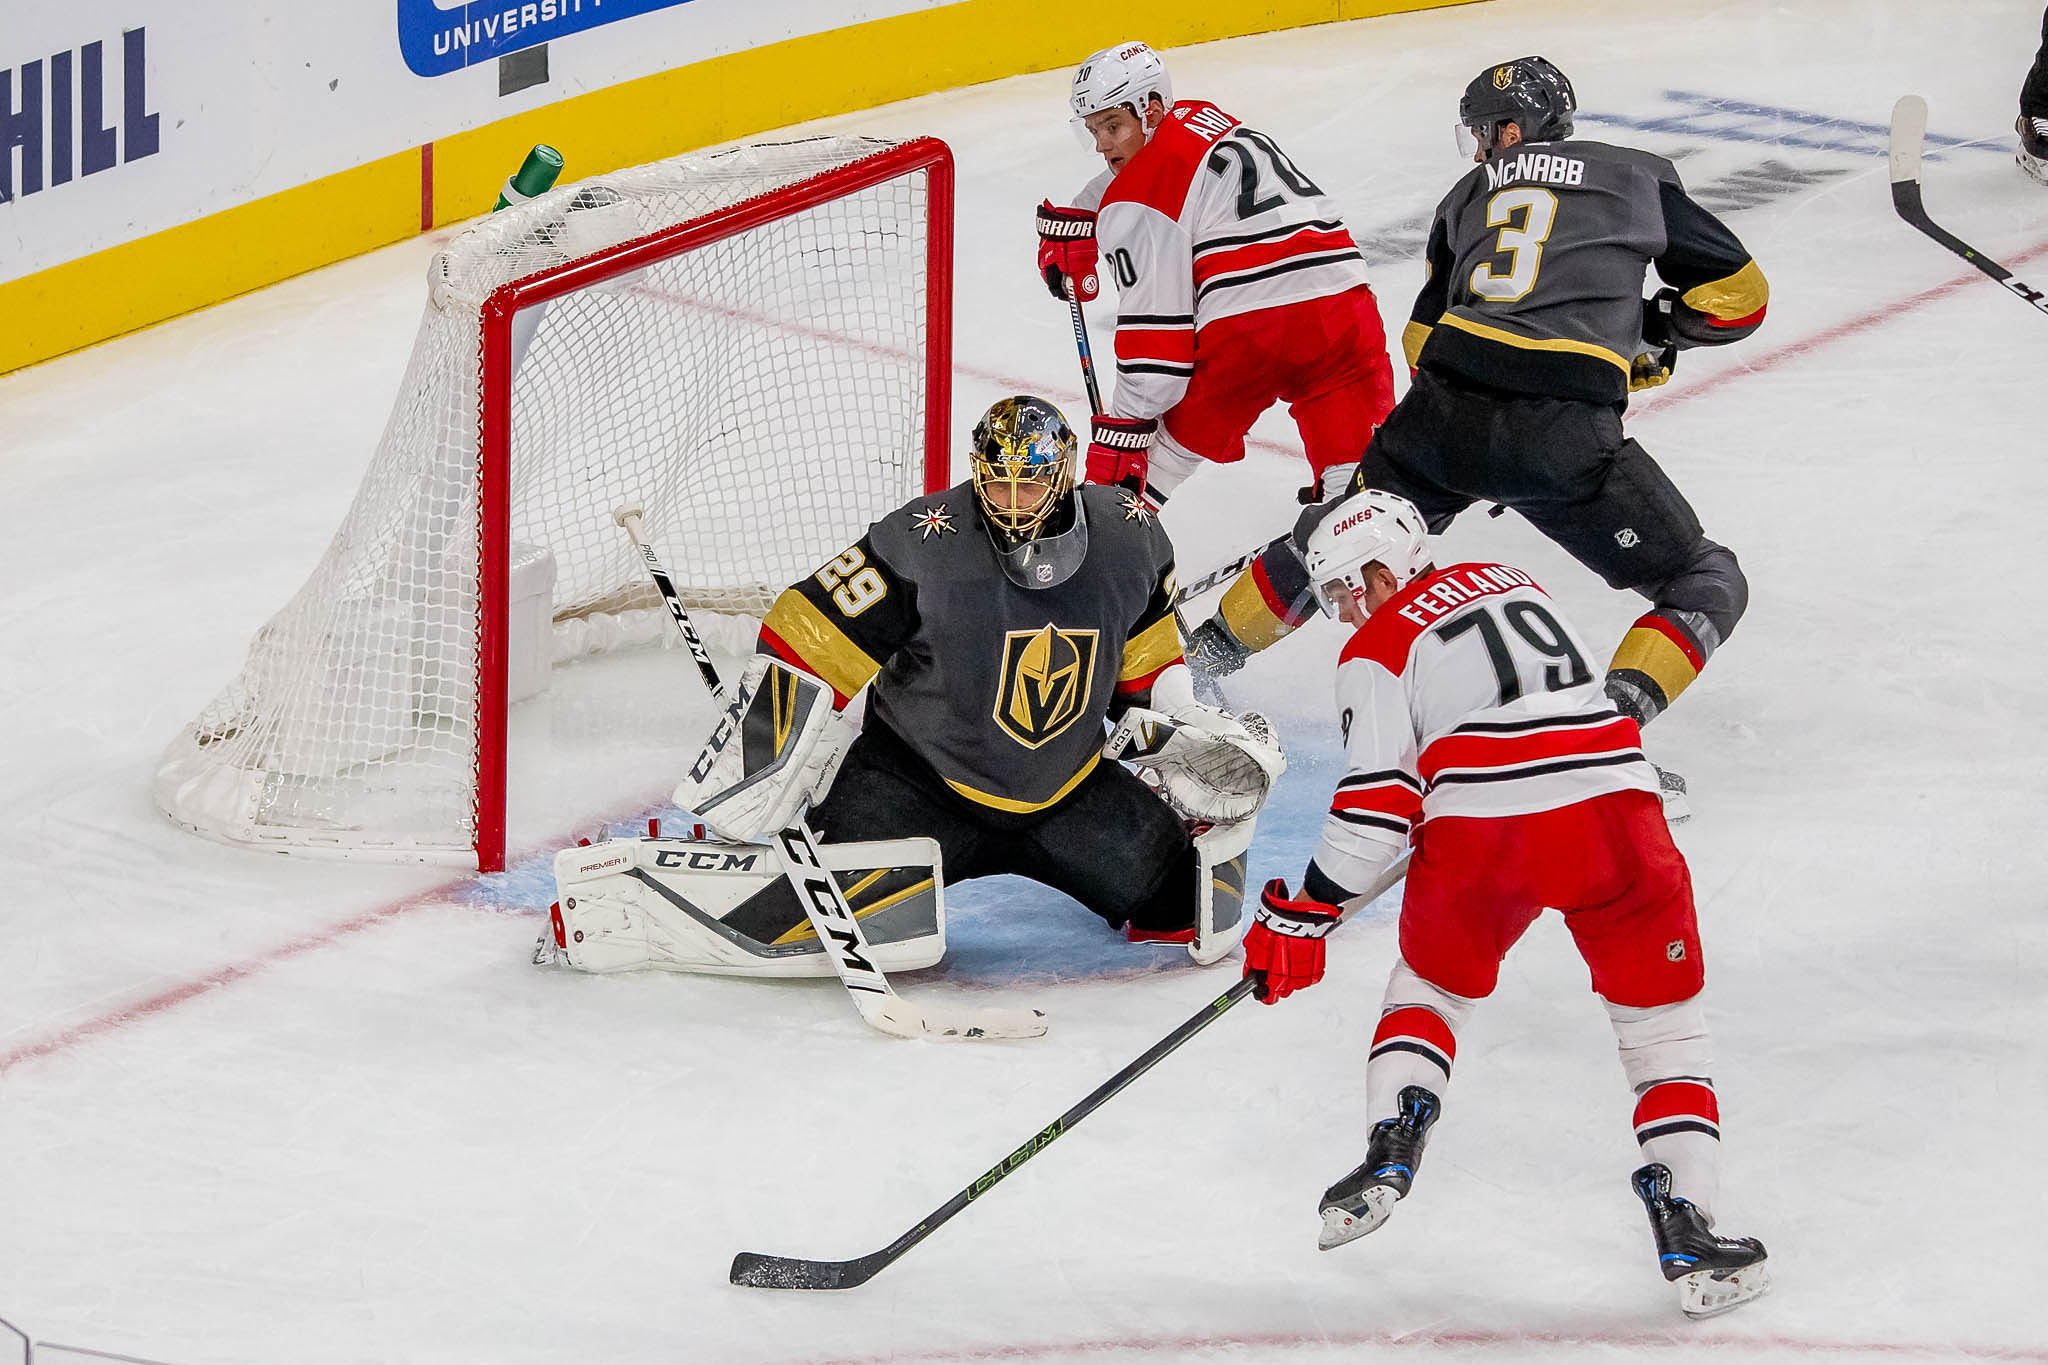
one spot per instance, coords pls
(1023, 455)
(1371, 526)
(1528, 92)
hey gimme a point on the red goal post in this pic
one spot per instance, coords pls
(783, 345)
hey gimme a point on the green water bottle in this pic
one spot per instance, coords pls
(536, 177)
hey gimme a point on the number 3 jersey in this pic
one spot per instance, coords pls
(1209, 220)
(1467, 695)
(1001, 690)
(1536, 263)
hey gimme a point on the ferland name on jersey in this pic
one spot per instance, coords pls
(1543, 167)
(1460, 586)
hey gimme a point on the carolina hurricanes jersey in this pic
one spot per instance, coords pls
(1467, 695)
(1210, 219)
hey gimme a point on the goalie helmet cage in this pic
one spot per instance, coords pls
(755, 344)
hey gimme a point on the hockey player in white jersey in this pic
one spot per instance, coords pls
(1238, 287)
(1477, 732)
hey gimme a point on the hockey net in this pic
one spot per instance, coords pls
(754, 345)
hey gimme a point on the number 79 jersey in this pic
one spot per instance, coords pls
(1468, 695)
(1209, 220)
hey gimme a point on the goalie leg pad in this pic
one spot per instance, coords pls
(722, 908)
(1220, 921)
(775, 748)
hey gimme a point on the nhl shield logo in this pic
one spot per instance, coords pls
(1047, 676)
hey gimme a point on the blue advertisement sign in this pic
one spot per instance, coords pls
(438, 37)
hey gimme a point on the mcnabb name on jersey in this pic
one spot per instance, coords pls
(1542, 168)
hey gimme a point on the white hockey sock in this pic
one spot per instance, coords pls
(1665, 1054)
(1415, 1043)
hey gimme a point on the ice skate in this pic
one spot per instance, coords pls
(1714, 1274)
(1671, 791)
(2032, 156)
(1363, 1200)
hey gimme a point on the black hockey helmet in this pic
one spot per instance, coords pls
(1528, 92)
(1024, 454)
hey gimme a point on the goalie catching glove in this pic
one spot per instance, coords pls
(1209, 766)
(775, 749)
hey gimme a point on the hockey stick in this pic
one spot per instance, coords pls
(758, 1271)
(1909, 134)
(1221, 574)
(817, 891)
(1086, 352)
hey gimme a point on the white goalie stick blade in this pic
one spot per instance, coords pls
(847, 946)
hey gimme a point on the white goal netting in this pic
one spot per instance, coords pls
(764, 396)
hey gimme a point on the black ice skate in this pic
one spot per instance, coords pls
(2033, 153)
(1714, 1274)
(1363, 1200)
(1213, 653)
(1671, 791)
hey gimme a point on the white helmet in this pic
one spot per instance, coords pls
(1128, 74)
(1369, 525)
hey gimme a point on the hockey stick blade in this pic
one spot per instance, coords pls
(899, 1017)
(1908, 145)
(753, 1270)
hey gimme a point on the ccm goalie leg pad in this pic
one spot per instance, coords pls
(1220, 920)
(689, 905)
(776, 748)
(1207, 764)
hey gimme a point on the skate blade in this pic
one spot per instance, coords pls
(1702, 1295)
(1341, 1224)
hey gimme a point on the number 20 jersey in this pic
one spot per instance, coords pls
(1209, 220)
(1468, 695)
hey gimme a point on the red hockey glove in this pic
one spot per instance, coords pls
(1118, 450)
(1285, 945)
(1066, 250)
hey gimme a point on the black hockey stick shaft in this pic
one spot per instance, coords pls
(1081, 346)
(1909, 133)
(628, 517)
(760, 1271)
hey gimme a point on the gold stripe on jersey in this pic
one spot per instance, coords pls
(995, 802)
(1737, 296)
(820, 645)
(1480, 329)
(1412, 338)
(1151, 649)
(1653, 654)
(1250, 617)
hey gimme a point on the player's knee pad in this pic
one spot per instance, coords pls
(1407, 987)
(1662, 1042)
(1221, 854)
(776, 747)
(695, 905)
(1710, 592)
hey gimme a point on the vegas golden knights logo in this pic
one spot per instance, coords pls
(1046, 678)
(1503, 77)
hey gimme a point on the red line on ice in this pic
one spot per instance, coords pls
(1450, 1339)
(163, 1001)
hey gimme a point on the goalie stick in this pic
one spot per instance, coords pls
(1909, 134)
(755, 1270)
(817, 891)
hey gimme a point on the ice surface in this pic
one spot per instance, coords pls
(256, 1109)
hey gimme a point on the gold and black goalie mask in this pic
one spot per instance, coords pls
(1023, 465)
